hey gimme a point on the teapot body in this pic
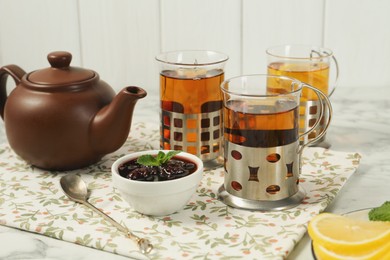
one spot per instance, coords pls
(50, 129)
(63, 117)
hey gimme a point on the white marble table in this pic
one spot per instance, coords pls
(361, 124)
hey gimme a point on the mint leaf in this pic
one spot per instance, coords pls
(159, 159)
(169, 155)
(160, 156)
(148, 160)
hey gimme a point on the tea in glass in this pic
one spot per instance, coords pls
(310, 65)
(191, 102)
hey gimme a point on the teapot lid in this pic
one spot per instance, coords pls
(60, 73)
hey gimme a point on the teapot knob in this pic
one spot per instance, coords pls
(59, 59)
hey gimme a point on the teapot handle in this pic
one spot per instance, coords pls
(16, 73)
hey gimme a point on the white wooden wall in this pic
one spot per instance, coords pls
(120, 38)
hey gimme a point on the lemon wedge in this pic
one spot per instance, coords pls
(346, 236)
(380, 253)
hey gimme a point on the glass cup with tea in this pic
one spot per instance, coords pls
(312, 65)
(262, 150)
(191, 103)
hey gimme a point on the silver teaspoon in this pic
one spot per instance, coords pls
(76, 189)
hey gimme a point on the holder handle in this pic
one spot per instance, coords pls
(337, 74)
(321, 98)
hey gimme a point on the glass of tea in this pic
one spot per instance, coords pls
(191, 103)
(312, 65)
(262, 150)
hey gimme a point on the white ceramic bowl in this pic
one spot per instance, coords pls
(157, 198)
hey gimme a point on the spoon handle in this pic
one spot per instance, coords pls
(144, 244)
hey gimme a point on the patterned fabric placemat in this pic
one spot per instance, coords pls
(31, 199)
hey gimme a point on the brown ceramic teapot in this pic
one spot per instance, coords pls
(63, 117)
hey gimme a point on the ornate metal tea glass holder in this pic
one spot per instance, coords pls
(267, 178)
(191, 103)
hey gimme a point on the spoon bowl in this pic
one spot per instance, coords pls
(74, 187)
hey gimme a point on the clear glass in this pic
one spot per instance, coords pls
(309, 64)
(256, 103)
(191, 103)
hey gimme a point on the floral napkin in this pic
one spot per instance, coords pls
(31, 199)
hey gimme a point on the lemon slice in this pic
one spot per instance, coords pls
(380, 253)
(344, 235)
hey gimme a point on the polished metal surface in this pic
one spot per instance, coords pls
(255, 177)
(199, 134)
(310, 113)
(267, 205)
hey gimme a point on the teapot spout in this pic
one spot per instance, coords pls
(111, 125)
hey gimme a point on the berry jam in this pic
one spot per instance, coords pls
(173, 169)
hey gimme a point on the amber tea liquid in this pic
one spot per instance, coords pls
(261, 125)
(315, 74)
(191, 111)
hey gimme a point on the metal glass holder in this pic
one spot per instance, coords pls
(265, 205)
(262, 178)
(198, 134)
